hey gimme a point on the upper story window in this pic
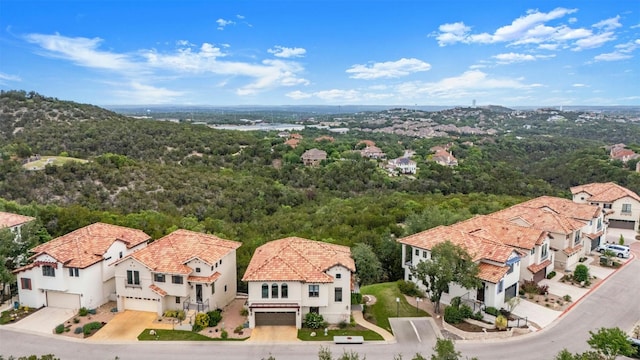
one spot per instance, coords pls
(417, 252)
(177, 279)
(338, 276)
(338, 294)
(314, 290)
(159, 278)
(265, 291)
(197, 269)
(284, 291)
(74, 272)
(500, 286)
(274, 291)
(510, 269)
(626, 208)
(48, 270)
(25, 283)
(606, 206)
(533, 250)
(545, 252)
(133, 277)
(576, 238)
(424, 254)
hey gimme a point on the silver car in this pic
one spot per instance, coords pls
(621, 251)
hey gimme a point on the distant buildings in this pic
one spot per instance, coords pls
(443, 156)
(313, 157)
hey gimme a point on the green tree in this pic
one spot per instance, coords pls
(444, 349)
(581, 273)
(449, 263)
(368, 266)
(610, 343)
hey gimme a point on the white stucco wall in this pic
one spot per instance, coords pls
(142, 291)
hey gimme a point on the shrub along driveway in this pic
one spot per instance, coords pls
(43, 320)
(128, 325)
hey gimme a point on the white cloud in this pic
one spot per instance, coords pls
(580, 85)
(613, 56)
(609, 24)
(286, 52)
(137, 93)
(222, 23)
(452, 33)
(298, 95)
(594, 41)
(389, 69)
(6, 77)
(509, 58)
(241, 17)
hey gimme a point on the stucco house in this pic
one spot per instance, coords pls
(184, 270)
(574, 229)
(313, 157)
(621, 206)
(76, 270)
(13, 221)
(499, 264)
(291, 277)
(403, 165)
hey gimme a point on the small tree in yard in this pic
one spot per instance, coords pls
(449, 263)
(621, 240)
(581, 273)
(606, 344)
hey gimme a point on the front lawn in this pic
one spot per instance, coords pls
(386, 306)
(14, 315)
(305, 334)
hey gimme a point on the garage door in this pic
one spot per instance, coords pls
(622, 224)
(63, 300)
(275, 318)
(140, 305)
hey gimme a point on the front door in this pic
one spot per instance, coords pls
(199, 293)
(480, 293)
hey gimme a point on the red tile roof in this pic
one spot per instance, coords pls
(11, 220)
(537, 267)
(170, 253)
(572, 250)
(564, 207)
(503, 231)
(157, 290)
(604, 192)
(297, 259)
(205, 279)
(86, 246)
(492, 273)
(540, 218)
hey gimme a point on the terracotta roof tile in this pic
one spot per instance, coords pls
(170, 253)
(572, 250)
(205, 279)
(605, 192)
(297, 259)
(157, 290)
(540, 218)
(537, 267)
(503, 231)
(86, 246)
(11, 220)
(492, 273)
(564, 207)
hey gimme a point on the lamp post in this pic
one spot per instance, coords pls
(417, 305)
(397, 307)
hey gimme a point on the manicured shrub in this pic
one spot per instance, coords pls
(409, 288)
(78, 330)
(224, 334)
(343, 324)
(567, 297)
(92, 311)
(201, 322)
(313, 321)
(452, 315)
(356, 298)
(501, 322)
(83, 311)
(87, 329)
(215, 317)
(76, 320)
(243, 312)
(60, 329)
(543, 290)
(581, 273)
(529, 287)
(551, 275)
(492, 311)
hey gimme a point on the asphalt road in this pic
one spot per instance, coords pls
(614, 303)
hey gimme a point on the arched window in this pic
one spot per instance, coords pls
(284, 291)
(274, 291)
(265, 291)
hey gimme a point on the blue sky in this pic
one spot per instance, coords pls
(223, 52)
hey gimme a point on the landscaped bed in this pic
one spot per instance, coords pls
(87, 321)
(177, 335)
(13, 315)
(368, 335)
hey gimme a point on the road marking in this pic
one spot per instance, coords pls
(415, 330)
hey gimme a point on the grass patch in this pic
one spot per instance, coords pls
(177, 335)
(50, 160)
(386, 306)
(305, 334)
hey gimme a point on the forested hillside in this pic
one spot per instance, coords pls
(251, 187)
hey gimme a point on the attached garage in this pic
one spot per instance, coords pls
(622, 224)
(275, 318)
(63, 300)
(148, 305)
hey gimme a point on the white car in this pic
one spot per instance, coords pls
(621, 251)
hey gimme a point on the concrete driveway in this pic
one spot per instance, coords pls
(415, 330)
(274, 334)
(44, 320)
(128, 325)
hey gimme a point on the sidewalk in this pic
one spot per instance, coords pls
(359, 319)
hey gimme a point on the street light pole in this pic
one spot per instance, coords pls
(397, 307)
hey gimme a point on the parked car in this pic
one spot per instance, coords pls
(636, 345)
(621, 251)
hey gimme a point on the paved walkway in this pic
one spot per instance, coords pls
(359, 319)
(128, 325)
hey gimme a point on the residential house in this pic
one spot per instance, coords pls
(499, 264)
(313, 157)
(445, 158)
(325, 138)
(13, 221)
(621, 205)
(402, 165)
(372, 152)
(184, 270)
(76, 270)
(620, 152)
(291, 277)
(293, 143)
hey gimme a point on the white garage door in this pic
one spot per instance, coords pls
(63, 300)
(140, 305)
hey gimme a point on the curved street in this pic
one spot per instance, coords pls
(614, 303)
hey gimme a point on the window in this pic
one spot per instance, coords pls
(74, 272)
(338, 276)
(265, 291)
(220, 261)
(120, 254)
(338, 294)
(314, 290)
(314, 310)
(176, 279)
(48, 270)
(133, 277)
(576, 238)
(25, 283)
(533, 250)
(599, 223)
(284, 290)
(544, 252)
(409, 277)
(417, 252)
(606, 206)
(177, 299)
(500, 286)
(225, 288)
(197, 269)
(159, 278)
(626, 208)
(424, 254)
(213, 288)
(510, 269)
(274, 291)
